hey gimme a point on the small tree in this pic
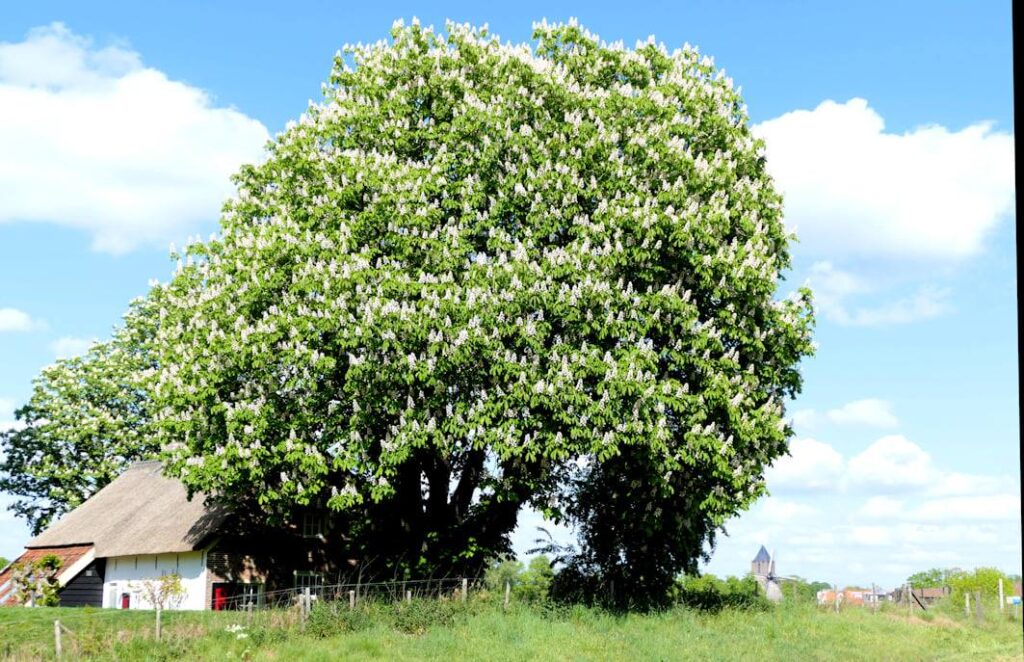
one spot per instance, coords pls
(800, 590)
(932, 578)
(535, 582)
(167, 591)
(3, 563)
(501, 572)
(35, 582)
(982, 580)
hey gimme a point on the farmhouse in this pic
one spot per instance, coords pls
(143, 525)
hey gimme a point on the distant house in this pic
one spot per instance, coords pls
(851, 596)
(142, 525)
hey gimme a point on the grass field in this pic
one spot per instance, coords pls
(483, 632)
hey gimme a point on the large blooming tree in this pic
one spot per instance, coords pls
(473, 269)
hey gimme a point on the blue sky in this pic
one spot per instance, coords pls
(889, 129)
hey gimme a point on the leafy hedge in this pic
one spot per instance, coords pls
(709, 593)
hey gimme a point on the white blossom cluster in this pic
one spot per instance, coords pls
(547, 252)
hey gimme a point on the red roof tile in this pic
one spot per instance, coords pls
(68, 556)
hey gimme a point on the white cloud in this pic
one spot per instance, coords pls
(93, 139)
(1003, 507)
(834, 287)
(881, 507)
(993, 507)
(778, 510)
(852, 188)
(68, 346)
(810, 465)
(892, 461)
(954, 483)
(870, 535)
(12, 319)
(870, 411)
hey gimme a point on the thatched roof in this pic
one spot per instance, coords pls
(139, 512)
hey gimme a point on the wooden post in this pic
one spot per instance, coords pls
(874, 598)
(979, 614)
(305, 606)
(158, 629)
(56, 639)
(508, 591)
(465, 588)
(967, 604)
(408, 595)
(1001, 599)
(248, 617)
(351, 600)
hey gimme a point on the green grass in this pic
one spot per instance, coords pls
(481, 631)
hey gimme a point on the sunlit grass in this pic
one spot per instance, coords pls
(483, 631)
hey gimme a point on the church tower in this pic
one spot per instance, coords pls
(761, 566)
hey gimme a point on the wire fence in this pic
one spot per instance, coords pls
(350, 593)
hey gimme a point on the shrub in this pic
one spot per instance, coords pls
(710, 593)
(418, 616)
(330, 618)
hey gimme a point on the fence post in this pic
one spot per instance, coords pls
(465, 588)
(305, 606)
(874, 598)
(408, 595)
(967, 604)
(248, 617)
(1001, 599)
(508, 590)
(351, 600)
(158, 628)
(978, 613)
(56, 639)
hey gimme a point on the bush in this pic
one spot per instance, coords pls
(327, 619)
(710, 593)
(330, 618)
(531, 584)
(418, 616)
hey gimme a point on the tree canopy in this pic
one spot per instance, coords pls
(479, 276)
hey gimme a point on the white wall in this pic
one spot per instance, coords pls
(122, 571)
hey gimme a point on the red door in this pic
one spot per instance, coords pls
(125, 600)
(220, 598)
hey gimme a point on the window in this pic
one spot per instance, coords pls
(313, 525)
(314, 581)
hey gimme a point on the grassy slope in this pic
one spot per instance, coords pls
(524, 634)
